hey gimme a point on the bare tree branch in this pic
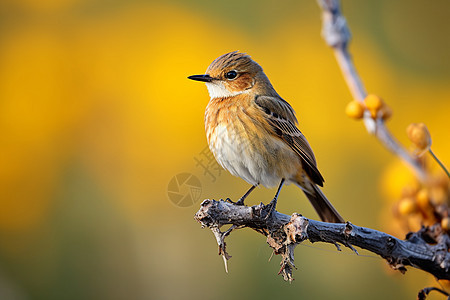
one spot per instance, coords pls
(337, 35)
(426, 249)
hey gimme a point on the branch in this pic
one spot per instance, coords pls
(337, 35)
(426, 249)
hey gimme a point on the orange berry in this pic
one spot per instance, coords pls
(373, 101)
(354, 110)
(420, 136)
(373, 104)
(423, 199)
(445, 223)
(407, 206)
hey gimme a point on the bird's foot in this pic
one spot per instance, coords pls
(239, 202)
(230, 201)
(271, 207)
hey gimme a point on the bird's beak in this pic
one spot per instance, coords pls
(204, 78)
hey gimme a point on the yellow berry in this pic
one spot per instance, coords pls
(420, 136)
(445, 223)
(373, 104)
(406, 206)
(423, 199)
(354, 110)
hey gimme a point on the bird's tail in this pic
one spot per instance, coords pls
(323, 207)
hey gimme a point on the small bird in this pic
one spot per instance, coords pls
(252, 132)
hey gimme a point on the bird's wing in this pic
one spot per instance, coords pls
(282, 120)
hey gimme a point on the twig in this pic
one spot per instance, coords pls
(426, 249)
(439, 162)
(337, 35)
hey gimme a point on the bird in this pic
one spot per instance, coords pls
(252, 132)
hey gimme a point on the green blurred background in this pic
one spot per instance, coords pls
(97, 117)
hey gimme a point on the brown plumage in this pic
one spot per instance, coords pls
(252, 131)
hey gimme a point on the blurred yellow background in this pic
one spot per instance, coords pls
(97, 117)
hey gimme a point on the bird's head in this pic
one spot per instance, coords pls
(231, 74)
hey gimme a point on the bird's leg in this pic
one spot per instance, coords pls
(273, 204)
(241, 200)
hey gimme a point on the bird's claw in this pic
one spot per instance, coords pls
(272, 205)
(239, 202)
(229, 200)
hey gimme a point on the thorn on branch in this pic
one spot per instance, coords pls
(338, 248)
(220, 237)
(347, 233)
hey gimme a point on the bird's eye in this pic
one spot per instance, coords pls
(231, 75)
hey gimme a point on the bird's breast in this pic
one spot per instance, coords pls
(241, 143)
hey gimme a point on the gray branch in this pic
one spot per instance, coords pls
(336, 33)
(427, 249)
